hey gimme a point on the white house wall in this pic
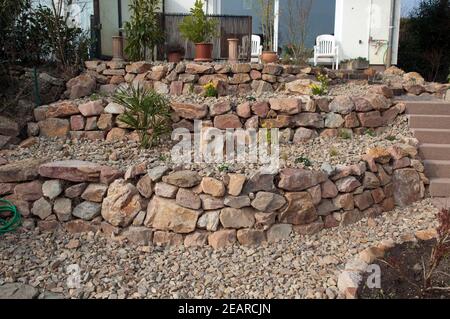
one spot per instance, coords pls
(362, 29)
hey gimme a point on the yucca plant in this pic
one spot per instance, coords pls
(145, 111)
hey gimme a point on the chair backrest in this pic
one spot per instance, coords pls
(256, 45)
(326, 44)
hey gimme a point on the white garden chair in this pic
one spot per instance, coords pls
(326, 48)
(256, 48)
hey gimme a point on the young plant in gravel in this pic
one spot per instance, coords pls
(333, 152)
(210, 90)
(371, 132)
(391, 138)
(145, 111)
(322, 87)
(224, 167)
(441, 250)
(345, 135)
(303, 160)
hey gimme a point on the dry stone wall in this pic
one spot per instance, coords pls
(156, 205)
(299, 117)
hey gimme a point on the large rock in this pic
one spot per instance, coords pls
(54, 127)
(222, 238)
(406, 183)
(165, 214)
(95, 192)
(251, 237)
(295, 180)
(213, 187)
(58, 109)
(190, 111)
(235, 184)
(122, 203)
(188, 199)
(80, 86)
(286, 105)
(259, 181)
(18, 290)
(347, 184)
(91, 108)
(52, 189)
(237, 218)
(301, 86)
(300, 209)
(87, 210)
(313, 120)
(41, 208)
(184, 178)
(268, 202)
(342, 105)
(195, 68)
(20, 171)
(71, 170)
(28, 191)
(209, 220)
(227, 121)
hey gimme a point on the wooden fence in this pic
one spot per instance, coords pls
(239, 27)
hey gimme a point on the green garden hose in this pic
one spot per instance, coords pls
(8, 224)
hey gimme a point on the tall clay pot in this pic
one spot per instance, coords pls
(269, 57)
(174, 57)
(203, 52)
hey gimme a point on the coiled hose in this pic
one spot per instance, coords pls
(13, 219)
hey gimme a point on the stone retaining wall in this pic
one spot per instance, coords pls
(230, 79)
(300, 117)
(155, 205)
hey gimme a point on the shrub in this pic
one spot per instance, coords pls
(210, 90)
(145, 111)
(196, 27)
(143, 31)
(424, 41)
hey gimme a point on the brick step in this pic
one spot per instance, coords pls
(434, 151)
(434, 136)
(429, 121)
(428, 108)
(439, 169)
(440, 187)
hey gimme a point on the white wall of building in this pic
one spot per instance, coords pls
(183, 6)
(362, 29)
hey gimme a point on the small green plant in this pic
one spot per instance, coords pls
(143, 31)
(345, 134)
(224, 167)
(333, 152)
(371, 132)
(250, 98)
(303, 160)
(197, 27)
(322, 87)
(210, 90)
(145, 111)
(162, 158)
(391, 138)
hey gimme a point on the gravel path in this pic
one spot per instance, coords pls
(298, 268)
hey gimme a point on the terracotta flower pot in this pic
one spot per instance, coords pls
(203, 52)
(174, 57)
(269, 57)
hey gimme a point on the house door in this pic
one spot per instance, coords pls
(380, 16)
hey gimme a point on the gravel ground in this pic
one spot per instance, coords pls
(302, 267)
(120, 154)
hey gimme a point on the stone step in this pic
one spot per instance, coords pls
(429, 121)
(434, 151)
(436, 168)
(434, 136)
(428, 108)
(440, 187)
